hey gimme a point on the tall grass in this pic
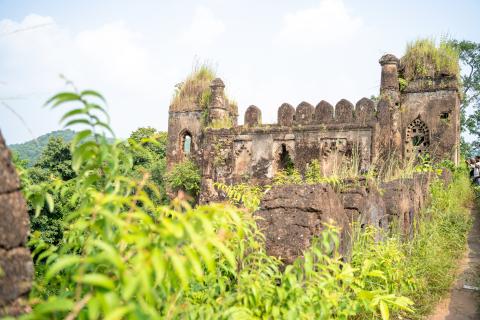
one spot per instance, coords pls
(424, 267)
(423, 58)
(195, 90)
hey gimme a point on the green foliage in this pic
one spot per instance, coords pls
(403, 83)
(32, 150)
(185, 176)
(243, 194)
(56, 159)
(287, 177)
(151, 140)
(470, 59)
(123, 256)
(424, 267)
(423, 58)
(41, 183)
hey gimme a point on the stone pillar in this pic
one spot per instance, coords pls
(218, 108)
(16, 266)
(389, 78)
(390, 92)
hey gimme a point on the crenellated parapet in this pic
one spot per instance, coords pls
(364, 112)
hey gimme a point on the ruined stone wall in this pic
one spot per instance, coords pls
(16, 267)
(254, 152)
(419, 118)
(292, 215)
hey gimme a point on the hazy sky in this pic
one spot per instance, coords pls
(267, 52)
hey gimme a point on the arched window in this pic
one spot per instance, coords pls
(186, 143)
(417, 138)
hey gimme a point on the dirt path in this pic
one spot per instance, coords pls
(463, 303)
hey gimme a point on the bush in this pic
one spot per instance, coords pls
(185, 176)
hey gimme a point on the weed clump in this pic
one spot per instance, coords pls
(423, 59)
(195, 90)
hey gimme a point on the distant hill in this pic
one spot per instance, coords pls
(31, 150)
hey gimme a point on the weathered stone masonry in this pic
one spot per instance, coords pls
(421, 118)
(16, 266)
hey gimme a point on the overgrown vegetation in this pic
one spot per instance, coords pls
(185, 176)
(195, 90)
(424, 59)
(124, 254)
(423, 268)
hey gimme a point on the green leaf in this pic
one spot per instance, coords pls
(54, 304)
(118, 313)
(93, 93)
(61, 98)
(72, 113)
(178, 263)
(61, 264)
(50, 203)
(79, 137)
(97, 280)
(384, 310)
(110, 253)
(77, 121)
(159, 265)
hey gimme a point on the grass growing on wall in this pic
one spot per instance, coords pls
(195, 89)
(423, 58)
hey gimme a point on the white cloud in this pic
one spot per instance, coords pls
(111, 58)
(329, 22)
(204, 29)
(32, 21)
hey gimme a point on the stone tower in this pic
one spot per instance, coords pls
(430, 118)
(184, 131)
(187, 122)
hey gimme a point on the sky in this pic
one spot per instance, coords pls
(266, 52)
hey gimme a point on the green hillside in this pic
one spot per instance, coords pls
(31, 150)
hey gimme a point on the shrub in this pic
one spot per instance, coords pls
(185, 176)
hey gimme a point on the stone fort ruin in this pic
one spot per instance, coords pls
(409, 119)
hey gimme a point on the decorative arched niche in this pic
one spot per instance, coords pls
(417, 139)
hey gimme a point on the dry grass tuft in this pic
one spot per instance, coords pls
(423, 59)
(195, 90)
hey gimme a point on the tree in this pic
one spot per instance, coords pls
(57, 159)
(470, 58)
(148, 145)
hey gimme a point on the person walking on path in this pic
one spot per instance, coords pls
(476, 171)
